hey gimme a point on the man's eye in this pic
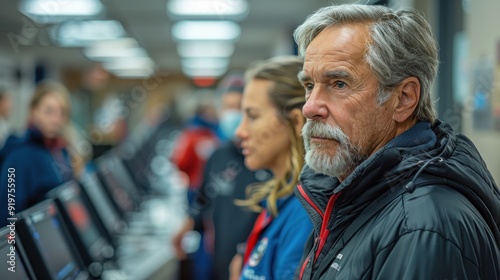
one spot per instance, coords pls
(340, 84)
(309, 86)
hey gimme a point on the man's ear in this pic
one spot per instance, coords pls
(408, 93)
(297, 120)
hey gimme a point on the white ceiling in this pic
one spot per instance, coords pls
(267, 28)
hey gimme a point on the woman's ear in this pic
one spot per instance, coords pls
(297, 120)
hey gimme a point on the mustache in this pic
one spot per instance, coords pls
(318, 129)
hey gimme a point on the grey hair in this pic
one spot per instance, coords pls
(401, 46)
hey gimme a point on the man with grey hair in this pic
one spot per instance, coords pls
(393, 192)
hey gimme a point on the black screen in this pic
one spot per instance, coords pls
(81, 219)
(118, 181)
(101, 202)
(79, 215)
(120, 196)
(46, 230)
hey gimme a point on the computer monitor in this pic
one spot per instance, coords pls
(118, 183)
(14, 264)
(48, 248)
(75, 210)
(138, 168)
(102, 206)
(135, 164)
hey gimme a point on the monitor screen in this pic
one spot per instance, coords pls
(121, 198)
(138, 171)
(136, 165)
(12, 267)
(118, 180)
(47, 233)
(76, 209)
(102, 203)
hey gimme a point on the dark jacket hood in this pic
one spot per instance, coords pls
(423, 151)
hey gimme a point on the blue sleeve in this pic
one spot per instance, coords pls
(292, 241)
(17, 167)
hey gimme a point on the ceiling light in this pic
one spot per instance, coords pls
(61, 7)
(197, 72)
(228, 9)
(106, 53)
(205, 49)
(142, 63)
(133, 73)
(205, 62)
(81, 33)
(110, 49)
(206, 30)
(119, 43)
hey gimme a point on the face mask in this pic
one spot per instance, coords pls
(229, 121)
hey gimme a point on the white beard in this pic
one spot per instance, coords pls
(346, 158)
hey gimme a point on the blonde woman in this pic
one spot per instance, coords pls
(271, 139)
(38, 161)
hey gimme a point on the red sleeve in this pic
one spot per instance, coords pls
(184, 152)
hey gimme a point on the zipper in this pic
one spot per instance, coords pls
(306, 262)
(324, 232)
(324, 225)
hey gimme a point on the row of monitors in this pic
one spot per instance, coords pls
(74, 233)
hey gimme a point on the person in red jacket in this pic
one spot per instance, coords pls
(195, 145)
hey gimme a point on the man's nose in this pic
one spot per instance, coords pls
(315, 106)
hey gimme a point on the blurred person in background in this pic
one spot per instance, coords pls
(191, 151)
(271, 139)
(224, 177)
(39, 160)
(196, 143)
(5, 111)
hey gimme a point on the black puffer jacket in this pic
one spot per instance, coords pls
(423, 207)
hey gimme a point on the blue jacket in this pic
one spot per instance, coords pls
(33, 170)
(281, 245)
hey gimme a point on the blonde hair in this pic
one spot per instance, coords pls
(286, 94)
(47, 87)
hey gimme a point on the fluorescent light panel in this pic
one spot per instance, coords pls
(202, 63)
(197, 72)
(133, 73)
(61, 7)
(205, 49)
(206, 30)
(235, 9)
(81, 33)
(103, 54)
(120, 43)
(141, 63)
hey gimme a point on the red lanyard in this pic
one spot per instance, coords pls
(260, 224)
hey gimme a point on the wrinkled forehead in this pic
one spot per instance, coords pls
(351, 38)
(341, 46)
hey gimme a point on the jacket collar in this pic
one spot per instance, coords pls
(35, 135)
